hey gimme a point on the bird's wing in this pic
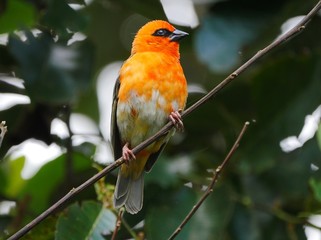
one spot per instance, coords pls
(153, 157)
(115, 137)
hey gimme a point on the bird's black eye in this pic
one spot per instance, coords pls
(163, 32)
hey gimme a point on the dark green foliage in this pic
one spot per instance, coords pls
(88, 221)
(264, 193)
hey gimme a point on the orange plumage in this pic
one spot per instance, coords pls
(151, 89)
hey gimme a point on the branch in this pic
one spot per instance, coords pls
(3, 129)
(209, 189)
(118, 223)
(297, 29)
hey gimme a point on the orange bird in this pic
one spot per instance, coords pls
(151, 89)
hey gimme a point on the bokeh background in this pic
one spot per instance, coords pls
(58, 64)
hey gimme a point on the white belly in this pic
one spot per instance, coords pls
(138, 119)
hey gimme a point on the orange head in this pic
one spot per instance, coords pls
(158, 36)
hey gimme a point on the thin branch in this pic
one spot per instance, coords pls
(210, 187)
(291, 33)
(3, 129)
(130, 230)
(118, 223)
(64, 199)
(298, 28)
(312, 225)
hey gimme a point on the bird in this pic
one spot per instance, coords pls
(150, 91)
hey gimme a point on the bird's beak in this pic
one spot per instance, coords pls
(177, 35)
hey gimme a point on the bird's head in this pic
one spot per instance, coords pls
(158, 36)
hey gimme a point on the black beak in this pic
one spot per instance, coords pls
(177, 35)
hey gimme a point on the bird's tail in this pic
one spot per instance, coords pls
(129, 192)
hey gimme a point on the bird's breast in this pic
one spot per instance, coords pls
(138, 118)
(151, 87)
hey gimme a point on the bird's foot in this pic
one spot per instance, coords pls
(176, 119)
(128, 154)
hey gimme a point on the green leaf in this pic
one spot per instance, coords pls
(277, 76)
(163, 218)
(88, 221)
(316, 188)
(244, 225)
(57, 73)
(60, 17)
(44, 231)
(223, 35)
(4, 223)
(18, 14)
(13, 183)
(213, 216)
(42, 187)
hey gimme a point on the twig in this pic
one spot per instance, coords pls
(3, 129)
(64, 199)
(291, 33)
(298, 28)
(209, 189)
(312, 225)
(118, 223)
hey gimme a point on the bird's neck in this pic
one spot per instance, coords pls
(171, 50)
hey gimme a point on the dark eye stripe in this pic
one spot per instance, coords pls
(162, 32)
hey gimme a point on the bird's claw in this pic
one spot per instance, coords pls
(176, 119)
(128, 154)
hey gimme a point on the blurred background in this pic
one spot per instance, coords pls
(58, 64)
